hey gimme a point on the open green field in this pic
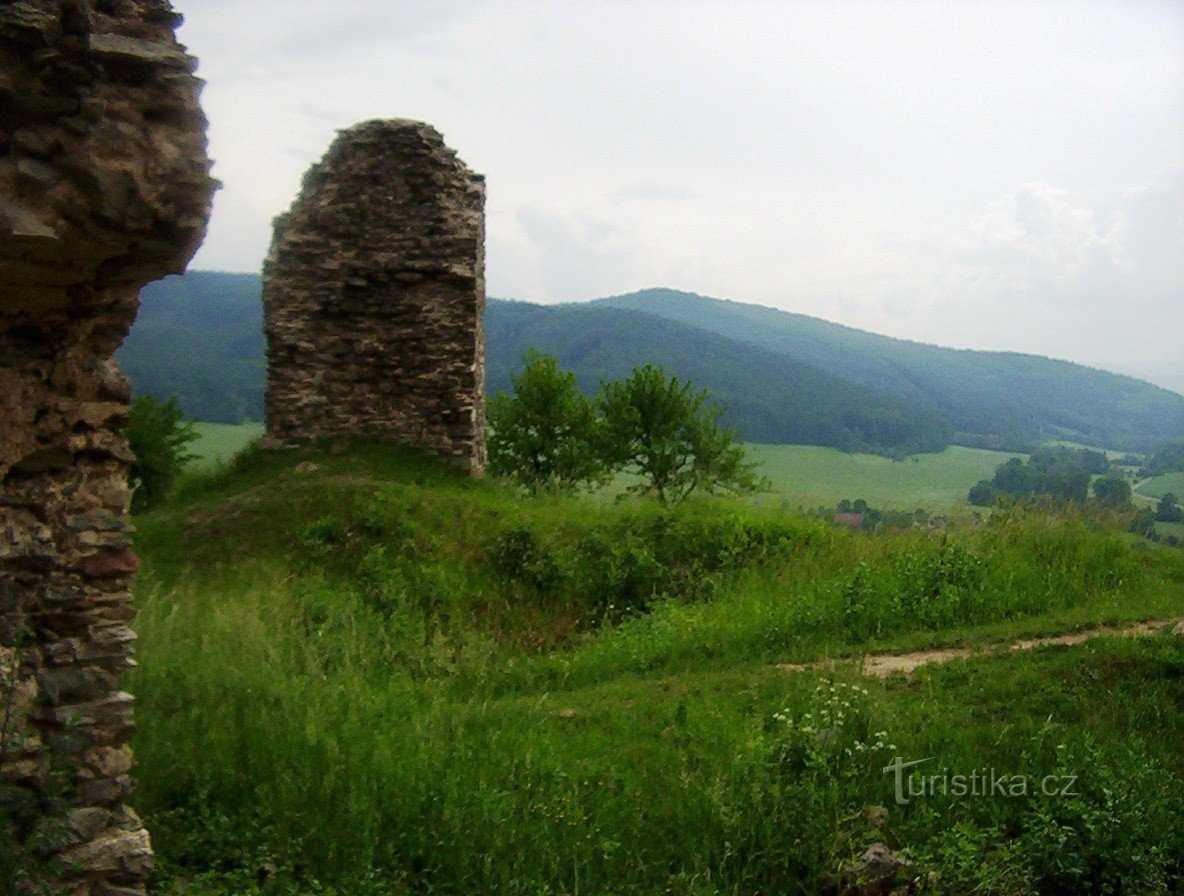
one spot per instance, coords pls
(805, 476)
(377, 676)
(811, 476)
(219, 442)
(1159, 486)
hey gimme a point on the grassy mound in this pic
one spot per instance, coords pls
(364, 673)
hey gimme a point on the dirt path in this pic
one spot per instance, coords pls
(882, 665)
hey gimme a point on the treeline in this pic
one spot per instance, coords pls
(860, 515)
(1058, 473)
(1168, 459)
(786, 379)
(998, 400)
(199, 339)
(770, 398)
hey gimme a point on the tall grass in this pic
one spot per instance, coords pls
(380, 677)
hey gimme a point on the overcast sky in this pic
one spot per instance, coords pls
(984, 175)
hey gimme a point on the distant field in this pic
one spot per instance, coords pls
(802, 475)
(811, 476)
(1176, 529)
(220, 441)
(1160, 485)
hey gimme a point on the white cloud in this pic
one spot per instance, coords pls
(980, 174)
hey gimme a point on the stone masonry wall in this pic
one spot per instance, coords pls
(104, 186)
(374, 297)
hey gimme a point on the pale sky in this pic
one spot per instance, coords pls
(976, 174)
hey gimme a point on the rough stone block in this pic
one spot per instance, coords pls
(374, 296)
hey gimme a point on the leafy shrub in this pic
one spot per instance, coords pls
(544, 435)
(619, 568)
(928, 587)
(548, 437)
(670, 436)
(320, 537)
(1118, 832)
(159, 437)
(521, 556)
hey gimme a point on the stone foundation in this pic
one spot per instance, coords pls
(104, 186)
(374, 297)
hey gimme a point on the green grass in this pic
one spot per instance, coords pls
(810, 476)
(1176, 529)
(379, 676)
(801, 475)
(219, 442)
(1159, 486)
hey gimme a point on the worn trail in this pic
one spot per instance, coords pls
(882, 665)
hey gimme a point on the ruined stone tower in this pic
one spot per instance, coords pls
(104, 187)
(374, 297)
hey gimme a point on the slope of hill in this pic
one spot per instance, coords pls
(460, 672)
(785, 377)
(200, 337)
(769, 398)
(993, 399)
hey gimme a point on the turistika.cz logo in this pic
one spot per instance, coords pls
(981, 783)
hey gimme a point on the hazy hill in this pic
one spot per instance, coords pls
(784, 377)
(200, 337)
(993, 399)
(769, 397)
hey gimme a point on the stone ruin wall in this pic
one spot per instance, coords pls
(104, 186)
(374, 298)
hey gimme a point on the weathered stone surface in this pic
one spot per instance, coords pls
(374, 297)
(104, 186)
(113, 850)
(149, 53)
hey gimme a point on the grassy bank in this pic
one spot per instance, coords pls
(801, 475)
(1159, 486)
(217, 443)
(377, 676)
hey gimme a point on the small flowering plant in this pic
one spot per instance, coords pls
(835, 737)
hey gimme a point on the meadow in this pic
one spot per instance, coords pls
(1158, 486)
(363, 673)
(801, 476)
(811, 476)
(217, 443)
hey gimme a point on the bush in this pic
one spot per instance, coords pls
(666, 433)
(159, 437)
(1113, 491)
(548, 437)
(1116, 833)
(926, 587)
(543, 435)
(619, 568)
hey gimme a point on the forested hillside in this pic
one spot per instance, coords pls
(783, 377)
(992, 399)
(200, 337)
(769, 397)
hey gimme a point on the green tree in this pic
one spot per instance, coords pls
(668, 434)
(544, 434)
(1168, 510)
(159, 436)
(1113, 491)
(983, 494)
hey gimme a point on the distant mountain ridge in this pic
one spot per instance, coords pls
(992, 399)
(783, 377)
(769, 397)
